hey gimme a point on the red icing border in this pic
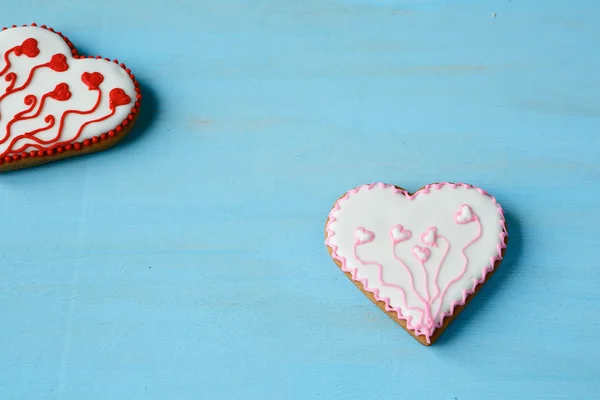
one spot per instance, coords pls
(111, 134)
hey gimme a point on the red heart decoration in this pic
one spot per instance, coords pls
(118, 97)
(58, 63)
(61, 92)
(92, 80)
(72, 104)
(30, 48)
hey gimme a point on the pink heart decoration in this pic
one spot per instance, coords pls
(399, 234)
(422, 288)
(430, 237)
(421, 253)
(363, 235)
(465, 215)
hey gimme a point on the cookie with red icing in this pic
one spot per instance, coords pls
(420, 257)
(55, 103)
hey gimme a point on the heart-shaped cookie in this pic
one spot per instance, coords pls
(420, 257)
(55, 103)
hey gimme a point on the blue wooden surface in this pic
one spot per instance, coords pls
(188, 263)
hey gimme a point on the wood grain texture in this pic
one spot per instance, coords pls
(188, 261)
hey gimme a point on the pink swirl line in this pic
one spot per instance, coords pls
(426, 320)
(439, 267)
(426, 284)
(381, 281)
(412, 280)
(453, 281)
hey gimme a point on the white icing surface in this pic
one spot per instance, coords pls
(380, 209)
(45, 80)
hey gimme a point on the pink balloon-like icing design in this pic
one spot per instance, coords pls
(363, 236)
(425, 324)
(430, 237)
(422, 254)
(465, 215)
(399, 234)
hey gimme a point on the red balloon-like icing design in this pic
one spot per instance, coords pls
(58, 63)
(118, 97)
(92, 80)
(61, 92)
(29, 48)
(22, 135)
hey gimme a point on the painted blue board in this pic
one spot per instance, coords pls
(188, 262)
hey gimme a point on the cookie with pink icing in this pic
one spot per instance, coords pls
(420, 257)
(55, 103)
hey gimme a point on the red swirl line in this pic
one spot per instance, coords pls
(50, 120)
(30, 135)
(39, 111)
(29, 99)
(19, 116)
(7, 61)
(113, 111)
(13, 77)
(78, 112)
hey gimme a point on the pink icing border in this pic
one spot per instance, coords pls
(425, 190)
